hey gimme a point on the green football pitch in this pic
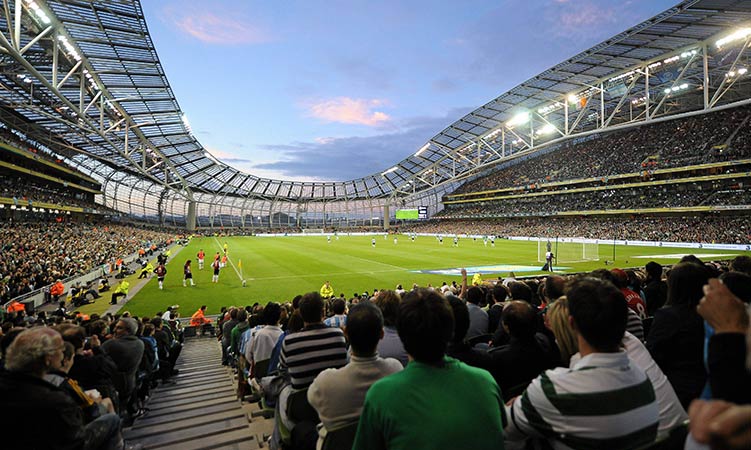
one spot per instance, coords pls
(278, 268)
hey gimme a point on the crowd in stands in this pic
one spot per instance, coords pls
(676, 143)
(611, 359)
(16, 141)
(703, 229)
(652, 196)
(28, 191)
(34, 255)
(72, 381)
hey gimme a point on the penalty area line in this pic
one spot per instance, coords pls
(230, 261)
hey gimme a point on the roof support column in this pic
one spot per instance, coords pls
(190, 219)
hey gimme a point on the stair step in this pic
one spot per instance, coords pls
(209, 386)
(188, 398)
(198, 432)
(172, 408)
(141, 433)
(233, 440)
(149, 420)
(190, 382)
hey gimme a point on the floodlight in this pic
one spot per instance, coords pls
(518, 119)
(737, 35)
(393, 169)
(547, 129)
(573, 98)
(422, 149)
(742, 71)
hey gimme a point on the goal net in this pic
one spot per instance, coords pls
(567, 250)
(312, 231)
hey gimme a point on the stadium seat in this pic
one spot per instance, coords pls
(261, 368)
(515, 391)
(299, 409)
(341, 438)
(189, 331)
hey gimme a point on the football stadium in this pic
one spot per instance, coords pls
(566, 265)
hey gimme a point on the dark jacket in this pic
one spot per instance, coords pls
(676, 343)
(95, 372)
(655, 293)
(38, 415)
(126, 352)
(520, 361)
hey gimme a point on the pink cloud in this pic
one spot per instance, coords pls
(350, 111)
(218, 28)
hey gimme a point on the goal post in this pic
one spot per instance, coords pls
(317, 231)
(568, 250)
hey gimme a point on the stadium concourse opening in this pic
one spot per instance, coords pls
(154, 296)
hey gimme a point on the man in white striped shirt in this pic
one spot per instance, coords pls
(602, 401)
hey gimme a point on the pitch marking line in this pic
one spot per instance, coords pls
(221, 249)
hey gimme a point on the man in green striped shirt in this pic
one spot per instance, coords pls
(603, 401)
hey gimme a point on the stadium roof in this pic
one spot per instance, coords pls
(83, 78)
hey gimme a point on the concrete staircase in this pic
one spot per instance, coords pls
(200, 410)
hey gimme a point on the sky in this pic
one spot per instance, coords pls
(319, 90)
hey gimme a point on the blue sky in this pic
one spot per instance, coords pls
(336, 90)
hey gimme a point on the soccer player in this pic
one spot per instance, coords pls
(372, 242)
(492, 241)
(440, 239)
(223, 262)
(456, 241)
(160, 272)
(216, 266)
(226, 247)
(396, 241)
(201, 256)
(187, 274)
(328, 239)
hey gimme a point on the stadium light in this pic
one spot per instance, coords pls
(519, 119)
(38, 11)
(393, 169)
(735, 36)
(573, 98)
(547, 129)
(422, 149)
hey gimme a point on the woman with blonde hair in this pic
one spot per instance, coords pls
(557, 321)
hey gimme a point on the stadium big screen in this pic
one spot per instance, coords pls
(419, 213)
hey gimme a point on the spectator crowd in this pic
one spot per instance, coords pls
(703, 229)
(713, 137)
(34, 255)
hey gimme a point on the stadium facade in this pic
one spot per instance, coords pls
(82, 81)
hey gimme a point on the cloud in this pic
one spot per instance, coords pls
(347, 158)
(576, 20)
(350, 111)
(218, 27)
(228, 157)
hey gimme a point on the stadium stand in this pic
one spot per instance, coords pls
(681, 176)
